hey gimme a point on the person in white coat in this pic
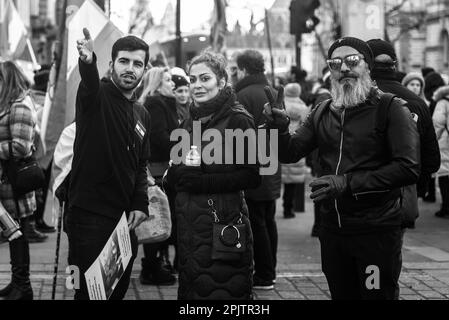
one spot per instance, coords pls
(441, 123)
(293, 174)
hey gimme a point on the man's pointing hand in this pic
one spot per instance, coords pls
(86, 47)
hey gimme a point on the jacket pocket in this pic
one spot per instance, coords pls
(364, 196)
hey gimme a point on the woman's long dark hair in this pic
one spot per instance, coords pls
(14, 85)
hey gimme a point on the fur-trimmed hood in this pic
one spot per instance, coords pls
(440, 93)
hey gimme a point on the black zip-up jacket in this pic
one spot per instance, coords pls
(109, 170)
(376, 166)
(430, 151)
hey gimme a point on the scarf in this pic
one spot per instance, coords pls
(210, 108)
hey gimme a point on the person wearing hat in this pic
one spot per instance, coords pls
(384, 73)
(293, 175)
(182, 95)
(359, 190)
(414, 81)
(262, 200)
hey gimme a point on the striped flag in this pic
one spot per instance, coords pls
(13, 33)
(219, 26)
(60, 111)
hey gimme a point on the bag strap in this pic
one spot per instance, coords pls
(320, 108)
(11, 157)
(383, 111)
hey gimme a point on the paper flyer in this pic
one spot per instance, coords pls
(105, 273)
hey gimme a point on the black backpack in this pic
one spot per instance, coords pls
(409, 195)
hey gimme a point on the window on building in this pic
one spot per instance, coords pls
(445, 44)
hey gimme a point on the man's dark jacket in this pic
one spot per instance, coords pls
(164, 119)
(109, 170)
(376, 166)
(251, 94)
(430, 151)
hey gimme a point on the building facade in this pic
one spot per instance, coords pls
(436, 54)
(282, 42)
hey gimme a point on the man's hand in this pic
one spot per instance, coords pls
(86, 47)
(135, 219)
(274, 111)
(328, 187)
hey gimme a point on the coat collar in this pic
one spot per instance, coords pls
(115, 91)
(251, 80)
(384, 74)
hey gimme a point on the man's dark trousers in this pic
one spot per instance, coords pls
(88, 233)
(346, 260)
(263, 224)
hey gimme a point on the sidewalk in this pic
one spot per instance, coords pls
(425, 274)
(419, 281)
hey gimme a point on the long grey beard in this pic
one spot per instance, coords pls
(347, 96)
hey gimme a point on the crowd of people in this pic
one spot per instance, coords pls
(371, 138)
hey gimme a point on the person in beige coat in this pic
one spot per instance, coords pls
(293, 174)
(441, 123)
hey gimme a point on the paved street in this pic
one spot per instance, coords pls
(425, 273)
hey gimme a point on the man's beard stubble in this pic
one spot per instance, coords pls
(348, 95)
(118, 82)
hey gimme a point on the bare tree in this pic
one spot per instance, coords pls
(394, 17)
(141, 19)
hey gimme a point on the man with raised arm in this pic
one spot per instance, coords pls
(109, 171)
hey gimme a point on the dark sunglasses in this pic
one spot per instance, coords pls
(351, 61)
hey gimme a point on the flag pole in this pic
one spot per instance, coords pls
(178, 35)
(60, 51)
(270, 48)
(33, 56)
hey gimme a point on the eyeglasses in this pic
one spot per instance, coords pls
(351, 61)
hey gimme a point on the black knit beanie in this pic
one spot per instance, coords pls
(427, 70)
(379, 46)
(433, 81)
(360, 45)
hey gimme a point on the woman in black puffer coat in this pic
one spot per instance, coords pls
(213, 192)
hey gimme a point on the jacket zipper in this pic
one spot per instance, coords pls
(339, 161)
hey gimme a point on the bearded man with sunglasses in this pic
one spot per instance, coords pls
(363, 172)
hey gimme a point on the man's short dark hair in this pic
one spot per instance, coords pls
(131, 43)
(252, 61)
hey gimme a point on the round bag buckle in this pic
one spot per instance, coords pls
(236, 242)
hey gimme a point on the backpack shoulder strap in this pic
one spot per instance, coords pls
(319, 111)
(383, 110)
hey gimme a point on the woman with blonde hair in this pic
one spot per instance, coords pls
(159, 100)
(17, 130)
